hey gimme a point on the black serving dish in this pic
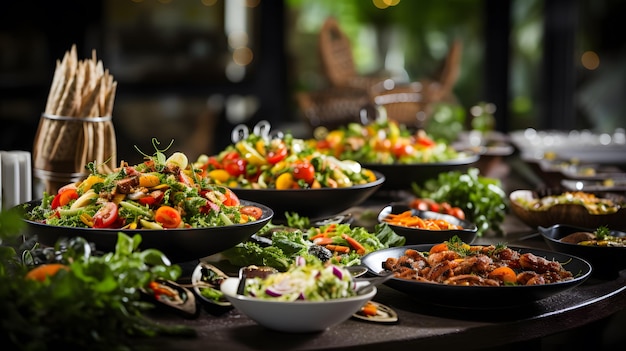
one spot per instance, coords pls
(312, 203)
(416, 236)
(606, 261)
(401, 176)
(179, 245)
(479, 297)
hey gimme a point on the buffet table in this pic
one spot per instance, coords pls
(586, 307)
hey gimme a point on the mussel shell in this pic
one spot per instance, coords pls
(184, 303)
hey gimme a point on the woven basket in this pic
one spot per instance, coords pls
(334, 107)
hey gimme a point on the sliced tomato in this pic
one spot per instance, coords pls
(277, 155)
(168, 217)
(304, 171)
(252, 211)
(403, 150)
(65, 195)
(323, 144)
(231, 198)
(106, 216)
(424, 140)
(152, 198)
(147, 200)
(214, 163)
(235, 167)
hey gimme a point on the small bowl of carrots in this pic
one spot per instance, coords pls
(425, 227)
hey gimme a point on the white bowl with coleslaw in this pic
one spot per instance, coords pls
(297, 316)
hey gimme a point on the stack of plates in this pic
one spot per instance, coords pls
(15, 174)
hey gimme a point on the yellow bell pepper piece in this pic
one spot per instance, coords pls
(85, 199)
(219, 175)
(250, 154)
(285, 181)
(86, 184)
(149, 180)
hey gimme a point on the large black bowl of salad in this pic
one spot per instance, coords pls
(164, 200)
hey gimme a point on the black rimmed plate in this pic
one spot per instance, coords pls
(416, 236)
(606, 261)
(479, 297)
(402, 176)
(179, 245)
(312, 203)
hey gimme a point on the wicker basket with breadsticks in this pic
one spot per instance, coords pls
(76, 127)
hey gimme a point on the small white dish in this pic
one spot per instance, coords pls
(296, 316)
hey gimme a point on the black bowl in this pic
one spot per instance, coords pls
(606, 261)
(179, 245)
(479, 297)
(312, 203)
(416, 236)
(401, 176)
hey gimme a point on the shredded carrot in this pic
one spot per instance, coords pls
(407, 219)
(338, 248)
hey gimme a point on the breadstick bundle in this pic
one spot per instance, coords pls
(76, 126)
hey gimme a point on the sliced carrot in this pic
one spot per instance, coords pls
(439, 248)
(369, 309)
(318, 235)
(505, 274)
(323, 240)
(43, 271)
(357, 246)
(338, 248)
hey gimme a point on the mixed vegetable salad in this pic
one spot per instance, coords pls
(384, 142)
(281, 162)
(307, 280)
(337, 243)
(160, 193)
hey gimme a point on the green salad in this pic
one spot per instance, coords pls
(305, 280)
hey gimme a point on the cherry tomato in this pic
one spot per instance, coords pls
(252, 211)
(168, 217)
(323, 144)
(275, 156)
(214, 163)
(457, 212)
(425, 141)
(434, 206)
(304, 171)
(235, 167)
(64, 196)
(106, 216)
(403, 150)
(420, 204)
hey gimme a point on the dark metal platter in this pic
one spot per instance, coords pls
(179, 245)
(479, 297)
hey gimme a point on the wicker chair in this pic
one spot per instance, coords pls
(404, 103)
(411, 104)
(337, 60)
(352, 97)
(334, 107)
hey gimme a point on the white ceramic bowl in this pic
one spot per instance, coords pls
(296, 316)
